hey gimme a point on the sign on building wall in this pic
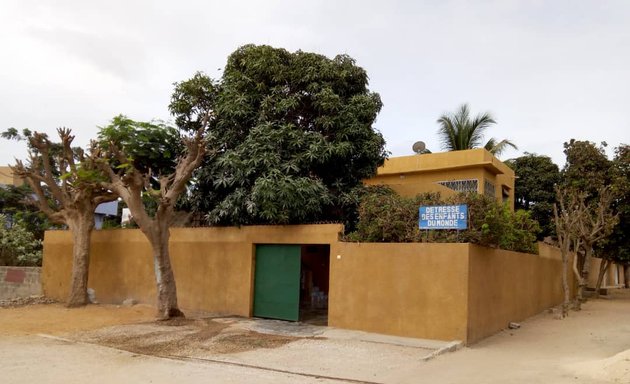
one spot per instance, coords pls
(444, 217)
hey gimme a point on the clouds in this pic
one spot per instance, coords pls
(118, 56)
(548, 71)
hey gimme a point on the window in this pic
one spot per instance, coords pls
(469, 185)
(505, 194)
(488, 188)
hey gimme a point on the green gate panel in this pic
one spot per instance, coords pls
(277, 282)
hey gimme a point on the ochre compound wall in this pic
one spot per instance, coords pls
(507, 286)
(413, 290)
(613, 278)
(440, 291)
(435, 291)
(213, 266)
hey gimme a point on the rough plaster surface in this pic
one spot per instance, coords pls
(20, 282)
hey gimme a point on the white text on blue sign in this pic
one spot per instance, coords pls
(444, 217)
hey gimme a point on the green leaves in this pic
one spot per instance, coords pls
(458, 131)
(534, 188)
(147, 145)
(18, 245)
(587, 168)
(288, 122)
(385, 216)
(193, 100)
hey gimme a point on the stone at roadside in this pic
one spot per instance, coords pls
(130, 302)
(92, 296)
(514, 325)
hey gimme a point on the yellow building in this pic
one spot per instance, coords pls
(473, 170)
(8, 178)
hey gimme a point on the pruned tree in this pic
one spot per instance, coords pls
(596, 222)
(580, 223)
(156, 161)
(588, 172)
(68, 188)
(565, 220)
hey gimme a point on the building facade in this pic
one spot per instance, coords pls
(449, 173)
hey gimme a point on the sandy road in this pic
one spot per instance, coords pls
(591, 346)
(32, 359)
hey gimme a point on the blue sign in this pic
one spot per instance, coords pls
(444, 217)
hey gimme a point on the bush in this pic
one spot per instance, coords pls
(18, 246)
(385, 216)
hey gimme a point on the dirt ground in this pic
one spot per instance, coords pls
(55, 319)
(107, 344)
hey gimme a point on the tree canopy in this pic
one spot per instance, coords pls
(293, 135)
(587, 168)
(17, 205)
(18, 245)
(617, 246)
(534, 189)
(149, 166)
(585, 217)
(458, 131)
(66, 185)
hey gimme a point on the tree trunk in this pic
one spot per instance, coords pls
(586, 268)
(565, 281)
(626, 275)
(164, 277)
(578, 277)
(81, 226)
(603, 267)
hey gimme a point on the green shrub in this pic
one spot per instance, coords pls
(385, 216)
(18, 246)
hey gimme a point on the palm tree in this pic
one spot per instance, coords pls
(457, 131)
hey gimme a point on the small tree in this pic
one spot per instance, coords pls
(18, 246)
(583, 223)
(565, 220)
(587, 173)
(67, 186)
(16, 205)
(156, 162)
(595, 224)
(534, 188)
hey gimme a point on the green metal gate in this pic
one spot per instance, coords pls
(277, 282)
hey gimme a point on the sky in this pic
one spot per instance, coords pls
(548, 71)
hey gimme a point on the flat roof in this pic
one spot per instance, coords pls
(430, 162)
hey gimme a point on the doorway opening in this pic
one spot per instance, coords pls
(314, 283)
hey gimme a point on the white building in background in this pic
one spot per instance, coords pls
(100, 213)
(104, 210)
(125, 220)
